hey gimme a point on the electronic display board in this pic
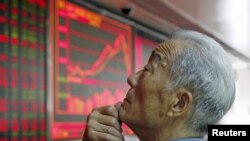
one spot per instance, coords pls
(92, 60)
(22, 70)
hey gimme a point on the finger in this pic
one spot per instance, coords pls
(98, 116)
(100, 136)
(109, 121)
(107, 110)
(118, 106)
(107, 129)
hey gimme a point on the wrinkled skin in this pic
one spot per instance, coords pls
(103, 125)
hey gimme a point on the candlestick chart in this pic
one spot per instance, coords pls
(22, 70)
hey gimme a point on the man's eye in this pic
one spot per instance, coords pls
(146, 68)
(157, 58)
(154, 57)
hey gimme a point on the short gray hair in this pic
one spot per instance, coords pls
(204, 69)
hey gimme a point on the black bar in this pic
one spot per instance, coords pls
(227, 132)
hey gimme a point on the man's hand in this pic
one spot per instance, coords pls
(103, 125)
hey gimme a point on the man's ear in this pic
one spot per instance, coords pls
(181, 103)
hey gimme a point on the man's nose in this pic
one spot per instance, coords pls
(132, 79)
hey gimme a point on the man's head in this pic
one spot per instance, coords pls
(187, 84)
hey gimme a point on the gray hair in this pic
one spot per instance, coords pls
(204, 69)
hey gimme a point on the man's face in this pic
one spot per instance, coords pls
(144, 105)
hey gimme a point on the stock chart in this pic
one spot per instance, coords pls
(93, 57)
(22, 70)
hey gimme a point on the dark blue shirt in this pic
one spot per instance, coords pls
(189, 139)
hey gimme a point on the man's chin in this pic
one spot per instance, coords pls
(123, 114)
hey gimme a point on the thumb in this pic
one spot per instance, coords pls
(118, 106)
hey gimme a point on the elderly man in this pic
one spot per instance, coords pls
(187, 84)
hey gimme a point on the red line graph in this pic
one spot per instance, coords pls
(93, 57)
(105, 56)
